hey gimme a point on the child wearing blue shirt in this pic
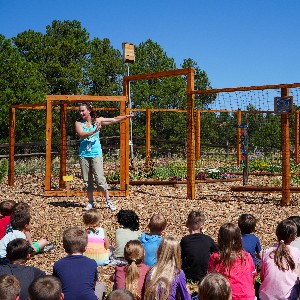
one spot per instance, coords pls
(151, 241)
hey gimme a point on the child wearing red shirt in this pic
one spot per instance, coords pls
(6, 209)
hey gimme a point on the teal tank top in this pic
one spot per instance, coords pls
(90, 146)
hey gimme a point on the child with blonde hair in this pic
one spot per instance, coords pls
(98, 243)
(234, 263)
(132, 276)
(166, 280)
(280, 266)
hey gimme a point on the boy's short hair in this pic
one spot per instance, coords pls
(214, 286)
(6, 207)
(75, 240)
(22, 206)
(247, 223)
(45, 288)
(195, 219)
(19, 219)
(120, 294)
(92, 217)
(9, 287)
(296, 220)
(157, 223)
(17, 249)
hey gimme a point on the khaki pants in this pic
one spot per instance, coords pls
(92, 168)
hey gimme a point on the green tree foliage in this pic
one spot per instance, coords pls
(20, 82)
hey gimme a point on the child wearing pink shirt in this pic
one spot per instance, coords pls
(6, 209)
(280, 265)
(234, 263)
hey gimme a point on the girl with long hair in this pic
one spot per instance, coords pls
(280, 266)
(166, 280)
(132, 276)
(234, 263)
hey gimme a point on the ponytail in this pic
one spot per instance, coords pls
(282, 257)
(132, 278)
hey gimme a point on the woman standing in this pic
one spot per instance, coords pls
(90, 151)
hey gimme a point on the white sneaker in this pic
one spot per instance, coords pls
(110, 205)
(89, 206)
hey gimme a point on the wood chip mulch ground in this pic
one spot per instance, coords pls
(52, 215)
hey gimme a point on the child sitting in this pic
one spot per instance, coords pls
(45, 288)
(78, 274)
(9, 287)
(251, 244)
(42, 245)
(151, 241)
(196, 247)
(165, 279)
(98, 244)
(214, 286)
(132, 276)
(129, 221)
(280, 264)
(20, 223)
(233, 262)
(18, 253)
(6, 209)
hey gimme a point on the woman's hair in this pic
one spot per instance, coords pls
(286, 232)
(214, 286)
(247, 223)
(92, 218)
(159, 281)
(89, 107)
(128, 219)
(230, 246)
(134, 254)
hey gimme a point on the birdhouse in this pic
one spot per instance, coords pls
(128, 53)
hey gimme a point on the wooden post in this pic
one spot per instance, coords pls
(190, 136)
(239, 132)
(197, 135)
(63, 145)
(48, 144)
(286, 173)
(124, 142)
(11, 157)
(297, 136)
(148, 136)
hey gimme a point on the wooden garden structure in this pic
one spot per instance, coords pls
(193, 129)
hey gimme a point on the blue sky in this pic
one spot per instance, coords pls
(237, 42)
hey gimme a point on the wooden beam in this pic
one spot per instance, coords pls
(148, 137)
(198, 135)
(190, 137)
(48, 145)
(263, 189)
(84, 98)
(297, 136)
(11, 157)
(162, 74)
(239, 132)
(63, 144)
(286, 172)
(80, 193)
(247, 88)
